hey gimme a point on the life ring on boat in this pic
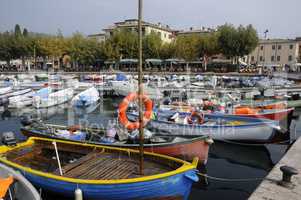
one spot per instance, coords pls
(198, 115)
(123, 106)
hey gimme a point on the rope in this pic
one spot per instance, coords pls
(234, 180)
(252, 144)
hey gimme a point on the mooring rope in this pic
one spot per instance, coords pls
(234, 180)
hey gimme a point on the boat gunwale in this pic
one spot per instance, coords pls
(255, 122)
(186, 166)
(163, 144)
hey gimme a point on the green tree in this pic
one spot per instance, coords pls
(235, 42)
(208, 46)
(187, 47)
(18, 31)
(25, 32)
(151, 46)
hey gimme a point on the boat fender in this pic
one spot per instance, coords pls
(192, 176)
(123, 106)
(78, 194)
(209, 141)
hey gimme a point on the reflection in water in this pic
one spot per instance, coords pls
(252, 156)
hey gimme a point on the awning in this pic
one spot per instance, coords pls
(154, 61)
(128, 61)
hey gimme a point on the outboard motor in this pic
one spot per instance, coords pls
(9, 138)
(4, 101)
(167, 101)
(26, 120)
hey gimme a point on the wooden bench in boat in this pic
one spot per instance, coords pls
(100, 166)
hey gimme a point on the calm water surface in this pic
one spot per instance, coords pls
(225, 160)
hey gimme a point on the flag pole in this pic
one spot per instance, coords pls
(140, 90)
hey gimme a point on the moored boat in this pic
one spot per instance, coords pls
(19, 188)
(52, 99)
(219, 127)
(186, 148)
(100, 172)
(5, 90)
(86, 98)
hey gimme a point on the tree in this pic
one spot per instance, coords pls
(187, 47)
(18, 31)
(25, 32)
(208, 46)
(151, 46)
(235, 42)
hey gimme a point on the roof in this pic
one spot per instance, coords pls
(134, 23)
(271, 41)
(98, 34)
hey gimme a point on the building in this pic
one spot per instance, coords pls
(276, 53)
(192, 31)
(101, 37)
(164, 31)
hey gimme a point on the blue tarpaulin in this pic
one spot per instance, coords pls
(121, 77)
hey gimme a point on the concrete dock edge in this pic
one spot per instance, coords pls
(270, 190)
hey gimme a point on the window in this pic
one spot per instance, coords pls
(261, 47)
(252, 58)
(165, 35)
(273, 58)
(290, 58)
(273, 47)
(278, 58)
(291, 46)
(279, 47)
(261, 58)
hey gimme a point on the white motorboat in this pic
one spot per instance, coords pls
(53, 99)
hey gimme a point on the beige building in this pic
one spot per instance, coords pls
(276, 53)
(192, 31)
(101, 37)
(164, 31)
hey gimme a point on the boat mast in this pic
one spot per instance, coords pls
(140, 90)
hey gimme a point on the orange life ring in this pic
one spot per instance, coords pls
(123, 108)
(199, 116)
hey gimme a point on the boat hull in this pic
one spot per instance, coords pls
(174, 186)
(273, 115)
(257, 130)
(53, 99)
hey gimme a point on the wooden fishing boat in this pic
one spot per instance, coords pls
(18, 186)
(5, 90)
(101, 172)
(273, 114)
(185, 148)
(27, 99)
(86, 98)
(52, 99)
(16, 93)
(219, 127)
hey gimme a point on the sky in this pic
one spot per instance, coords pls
(280, 17)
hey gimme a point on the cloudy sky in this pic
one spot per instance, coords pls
(280, 17)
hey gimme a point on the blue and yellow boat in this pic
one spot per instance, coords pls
(100, 172)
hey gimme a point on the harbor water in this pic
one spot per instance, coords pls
(227, 161)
